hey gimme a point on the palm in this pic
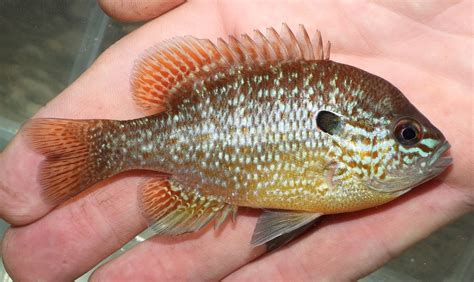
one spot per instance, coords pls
(416, 52)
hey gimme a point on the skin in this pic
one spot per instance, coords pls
(422, 50)
(137, 10)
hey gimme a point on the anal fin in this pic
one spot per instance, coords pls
(172, 209)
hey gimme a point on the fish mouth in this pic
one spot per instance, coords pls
(434, 167)
(437, 164)
(437, 161)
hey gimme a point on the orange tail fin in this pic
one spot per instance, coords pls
(76, 157)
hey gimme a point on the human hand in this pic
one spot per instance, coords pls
(418, 51)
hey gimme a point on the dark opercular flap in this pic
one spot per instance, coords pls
(329, 122)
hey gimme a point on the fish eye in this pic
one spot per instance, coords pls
(408, 131)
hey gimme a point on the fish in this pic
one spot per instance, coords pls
(267, 122)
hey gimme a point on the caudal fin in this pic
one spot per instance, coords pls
(76, 157)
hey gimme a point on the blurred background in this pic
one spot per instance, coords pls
(46, 45)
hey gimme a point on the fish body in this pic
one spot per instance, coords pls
(266, 123)
(250, 136)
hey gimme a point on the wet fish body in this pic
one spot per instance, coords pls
(268, 122)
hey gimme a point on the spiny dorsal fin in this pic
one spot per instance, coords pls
(171, 210)
(172, 66)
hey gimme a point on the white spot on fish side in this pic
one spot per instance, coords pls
(147, 147)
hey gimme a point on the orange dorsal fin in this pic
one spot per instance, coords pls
(172, 66)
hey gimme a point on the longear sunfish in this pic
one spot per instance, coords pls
(268, 122)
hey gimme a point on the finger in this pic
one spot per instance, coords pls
(19, 204)
(348, 247)
(204, 256)
(137, 10)
(76, 236)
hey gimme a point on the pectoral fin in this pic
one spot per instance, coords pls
(287, 237)
(272, 225)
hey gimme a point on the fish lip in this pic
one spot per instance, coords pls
(438, 161)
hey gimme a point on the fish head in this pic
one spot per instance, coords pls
(381, 139)
(414, 148)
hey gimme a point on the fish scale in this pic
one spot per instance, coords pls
(268, 123)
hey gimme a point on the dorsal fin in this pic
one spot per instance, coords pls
(174, 65)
